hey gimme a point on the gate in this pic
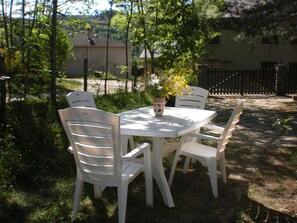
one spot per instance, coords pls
(292, 81)
(257, 81)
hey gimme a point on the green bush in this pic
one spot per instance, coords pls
(32, 144)
(122, 101)
(9, 157)
(37, 173)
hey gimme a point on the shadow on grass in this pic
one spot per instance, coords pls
(257, 156)
(11, 212)
(258, 213)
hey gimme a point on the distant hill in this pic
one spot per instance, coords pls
(75, 24)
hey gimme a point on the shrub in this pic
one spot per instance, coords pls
(32, 145)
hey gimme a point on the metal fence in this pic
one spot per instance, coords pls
(277, 80)
(292, 81)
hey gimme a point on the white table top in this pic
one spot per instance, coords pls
(174, 123)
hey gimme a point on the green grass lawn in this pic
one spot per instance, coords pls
(37, 173)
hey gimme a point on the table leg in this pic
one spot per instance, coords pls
(158, 171)
(124, 142)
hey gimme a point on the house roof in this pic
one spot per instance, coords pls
(247, 4)
(236, 7)
(148, 54)
(89, 39)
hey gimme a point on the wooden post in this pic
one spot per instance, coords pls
(3, 80)
(202, 76)
(85, 74)
(281, 80)
(242, 75)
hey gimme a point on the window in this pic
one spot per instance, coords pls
(270, 40)
(293, 65)
(293, 40)
(215, 40)
(267, 64)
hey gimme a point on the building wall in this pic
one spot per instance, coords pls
(240, 55)
(96, 56)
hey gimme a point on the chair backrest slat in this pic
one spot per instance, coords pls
(230, 127)
(81, 99)
(94, 137)
(194, 98)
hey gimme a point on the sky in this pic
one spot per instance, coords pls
(73, 7)
(103, 4)
(99, 5)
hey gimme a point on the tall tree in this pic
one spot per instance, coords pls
(107, 45)
(10, 21)
(53, 53)
(23, 32)
(28, 39)
(5, 25)
(264, 18)
(147, 29)
(122, 21)
(184, 30)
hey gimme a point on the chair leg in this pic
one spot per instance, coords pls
(212, 170)
(223, 168)
(122, 201)
(188, 159)
(77, 196)
(186, 165)
(98, 191)
(148, 180)
(173, 167)
(131, 142)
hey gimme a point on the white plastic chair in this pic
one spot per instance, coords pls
(209, 155)
(196, 98)
(94, 136)
(86, 99)
(81, 99)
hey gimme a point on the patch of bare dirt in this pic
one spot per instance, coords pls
(264, 156)
(261, 164)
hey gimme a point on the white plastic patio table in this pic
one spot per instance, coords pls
(174, 123)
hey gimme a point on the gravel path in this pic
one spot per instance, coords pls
(97, 86)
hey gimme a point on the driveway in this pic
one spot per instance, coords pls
(263, 154)
(96, 86)
(261, 162)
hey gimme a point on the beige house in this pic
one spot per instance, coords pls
(93, 48)
(228, 53)
(147, 54)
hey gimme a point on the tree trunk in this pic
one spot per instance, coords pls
(5, 24)
(107, 46)
(53, 54)
(10, 21)
(31, 27)
(141, 11)
(126, 44)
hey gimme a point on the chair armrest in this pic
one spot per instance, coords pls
(214, 127)
(203, 136)
(70, 149)
(169, 146)
(145, 163)
(137, 151)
